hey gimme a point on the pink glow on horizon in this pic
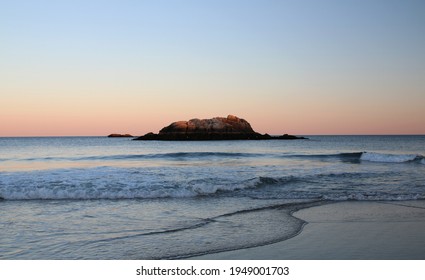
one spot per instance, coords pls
(103, 123)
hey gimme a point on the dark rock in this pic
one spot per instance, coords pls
(230, 128)
(288, 137)
(119, 135)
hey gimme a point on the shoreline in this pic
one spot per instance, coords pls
(347, 230)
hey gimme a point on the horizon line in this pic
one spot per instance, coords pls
(58, 136)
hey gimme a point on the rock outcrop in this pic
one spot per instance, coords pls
(230, 128)
(119, 135)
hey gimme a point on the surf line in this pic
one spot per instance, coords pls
(290, 209)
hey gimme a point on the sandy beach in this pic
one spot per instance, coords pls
(387, 230)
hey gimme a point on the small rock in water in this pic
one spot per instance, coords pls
(119, 135)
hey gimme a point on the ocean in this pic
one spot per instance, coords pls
(114, 198)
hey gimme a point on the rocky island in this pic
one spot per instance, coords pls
(218, 128)
(119, 135)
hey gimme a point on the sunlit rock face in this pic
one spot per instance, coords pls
(218, 125)
(218, 128)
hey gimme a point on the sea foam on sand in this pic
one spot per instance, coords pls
(347, 231)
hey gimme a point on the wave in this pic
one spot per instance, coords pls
(344, 157)
(128, 183)
(169, 156)
(110, 183)
(391, 158)
(352, 157)
(357, 157)
(180, 155)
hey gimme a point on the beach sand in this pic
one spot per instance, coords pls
(348, 231)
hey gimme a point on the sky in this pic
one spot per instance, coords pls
(77, 68)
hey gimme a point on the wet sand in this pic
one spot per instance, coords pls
(351, 230)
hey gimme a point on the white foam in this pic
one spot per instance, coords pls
(206, 189)
(129, 183)
(390, 158)
(108, 183)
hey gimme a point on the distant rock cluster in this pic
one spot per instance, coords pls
(219, 128)
(119, 135)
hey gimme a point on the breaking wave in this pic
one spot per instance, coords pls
(391, 158)
(127, 183)
(366, 156)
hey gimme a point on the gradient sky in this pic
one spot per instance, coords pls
(298, 67)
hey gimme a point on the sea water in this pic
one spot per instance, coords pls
(114, 198)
